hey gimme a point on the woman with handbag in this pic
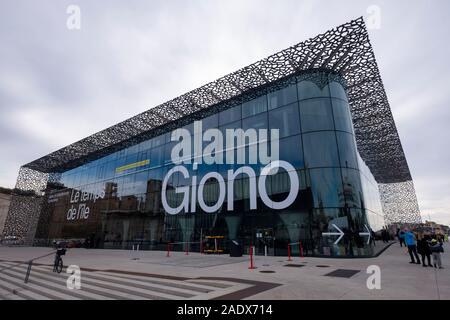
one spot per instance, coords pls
(437, 249)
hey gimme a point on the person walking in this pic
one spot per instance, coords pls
(401, 238)
(423, 248)
(436, 249)
(410, 240)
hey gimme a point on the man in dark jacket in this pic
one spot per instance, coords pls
(401, 238)
(423, 248)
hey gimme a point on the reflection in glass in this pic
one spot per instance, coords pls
(256, 122)
(308, 89)
(342, 116)
(230, 115)
(291, 151)
(326, 185)
(352, 188)
(337, 91)
(347, 150)
(320, 149)
(336, 187)
(255, 106)
(316, 114)
(286, 120)
(282, 97)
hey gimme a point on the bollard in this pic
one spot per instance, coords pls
(251, 257)
(30, 263)
(289, 252)
(301, 250)
(168, 249)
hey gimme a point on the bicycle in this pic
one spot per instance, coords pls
(58, 264)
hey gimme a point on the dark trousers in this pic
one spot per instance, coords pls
(413, 249)
(428, 258)
(402, 242)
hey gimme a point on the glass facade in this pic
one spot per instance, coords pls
(117, 201)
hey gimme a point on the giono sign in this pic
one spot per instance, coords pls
(222, 151)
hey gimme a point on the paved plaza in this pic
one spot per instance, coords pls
(119, 274)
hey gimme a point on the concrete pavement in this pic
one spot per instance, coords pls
(274, 277)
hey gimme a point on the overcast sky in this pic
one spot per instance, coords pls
(59, 85)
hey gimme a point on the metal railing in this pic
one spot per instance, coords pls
(30, 264)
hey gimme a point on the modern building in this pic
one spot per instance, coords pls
(300, 147)
(5, 200)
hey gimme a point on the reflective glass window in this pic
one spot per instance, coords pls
(255, 106)
(308, 89)
(110, 169)
(143, 155)
(156, 157)
(291, 151)
(326, 185)
(342, 115)
(91, 174)
(119, 186)
(146, 145)
(286, 120)
(83, 177)
(256, 122)
(168, 152)
(156, 176)
(69, 181)
(101, 172)
(231, 125)
(121, 153)
(316, 114)
(210, 122)
(352, 187)
(230, 115)
(133, 149)
(347, 150)
(337, 91)
(128, 184)
(140, 182)
(282, 97)
(130, 159)
(320, 149)
(325, 218)
(159, 140)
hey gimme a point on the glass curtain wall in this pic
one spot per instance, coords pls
(122, 191)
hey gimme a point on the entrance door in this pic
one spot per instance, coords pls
(264, 242)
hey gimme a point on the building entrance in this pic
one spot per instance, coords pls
(265, 242)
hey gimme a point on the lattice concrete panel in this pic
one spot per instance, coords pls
(23, 216)
(25, 210)
(32, 180)
(399, 202)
